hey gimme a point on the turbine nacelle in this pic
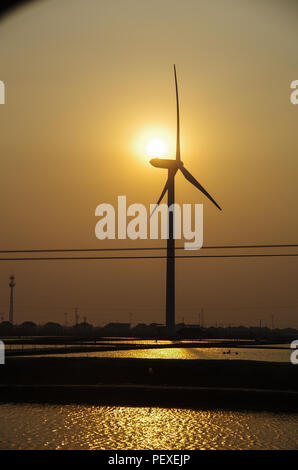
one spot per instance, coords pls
(166, 163)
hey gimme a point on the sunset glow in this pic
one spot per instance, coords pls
(153, 142)
(156, 147)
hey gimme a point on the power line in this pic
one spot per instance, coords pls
(72, 250)
(210, 308)
(80, 258)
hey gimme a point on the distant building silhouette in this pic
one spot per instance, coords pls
(27, 328)
(6, 328)
(117, 328)
(52, 328)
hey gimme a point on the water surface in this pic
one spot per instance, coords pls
(252, 354)
(36, 426)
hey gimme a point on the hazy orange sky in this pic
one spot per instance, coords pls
(85, 81)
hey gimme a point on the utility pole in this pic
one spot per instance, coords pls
(65, 316)
(202, 317)
(272, 322)
(11, 285)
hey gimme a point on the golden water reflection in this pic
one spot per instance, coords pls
(96, 427)
(253, 354)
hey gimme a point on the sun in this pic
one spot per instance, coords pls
(154, 141)
(156, 147)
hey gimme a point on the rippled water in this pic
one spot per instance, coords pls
(96, 427)
(252, 354)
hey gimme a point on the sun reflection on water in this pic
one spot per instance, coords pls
(100, 427)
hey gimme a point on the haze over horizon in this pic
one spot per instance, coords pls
(87, 83)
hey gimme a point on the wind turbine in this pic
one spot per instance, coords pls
(173, 166)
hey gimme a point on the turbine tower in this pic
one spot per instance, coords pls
(11, 285)
(173, 166)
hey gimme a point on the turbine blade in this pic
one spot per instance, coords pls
(193, 181)
(178, 157)
(161, 196)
